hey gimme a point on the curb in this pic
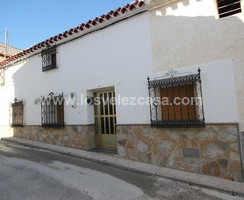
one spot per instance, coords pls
(223, 185)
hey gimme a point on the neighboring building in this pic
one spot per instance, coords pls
(157, 49)
(6, 51)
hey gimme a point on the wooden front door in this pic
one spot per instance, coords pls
(105, 119)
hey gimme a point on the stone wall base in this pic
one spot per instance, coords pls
(213, 150)
(74, 136)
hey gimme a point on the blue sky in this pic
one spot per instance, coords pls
(32, 21)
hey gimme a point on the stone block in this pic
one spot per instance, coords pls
(142, 147)
(165, 146)
(235, 156)
(212, 151)
(212, 169)
(223, 163)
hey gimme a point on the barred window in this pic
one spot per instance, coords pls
(228, 7)
(17, 113)
(52, 111)
(176, 101)
(49, 58)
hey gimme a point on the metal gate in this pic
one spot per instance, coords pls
(105, 119)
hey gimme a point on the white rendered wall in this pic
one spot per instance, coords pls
(189, 33)
(118, 56)
(219, 100)
(7, 96)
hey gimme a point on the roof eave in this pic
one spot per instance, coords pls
(98, 23)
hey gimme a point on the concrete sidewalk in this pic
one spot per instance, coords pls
(233, 187)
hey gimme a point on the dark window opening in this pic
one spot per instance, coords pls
(52, 111)
(49, 59)
(17, 113)
(176, 101)
(228, 7)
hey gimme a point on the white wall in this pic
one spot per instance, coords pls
(118, 56)
(218, 90)
(189, 33)
(7, 96)
(122, 56)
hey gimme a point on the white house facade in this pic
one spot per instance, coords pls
(135, 56)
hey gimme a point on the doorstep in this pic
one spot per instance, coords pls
(111, 152)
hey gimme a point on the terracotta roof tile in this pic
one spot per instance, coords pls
(71, 31)
(107, 17)
(81, 27)
(60, 36)
(85, 26)
(127, 5)
(76, 29)
(123, 10)
(115, 13)
(132, 7)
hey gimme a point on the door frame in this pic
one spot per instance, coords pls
(105, 120)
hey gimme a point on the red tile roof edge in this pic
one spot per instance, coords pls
(83, 27)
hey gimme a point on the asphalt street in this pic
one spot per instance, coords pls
(32, 174)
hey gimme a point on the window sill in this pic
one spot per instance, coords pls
(50, 67)
(178, 124)
(17, 125)
(53, 125)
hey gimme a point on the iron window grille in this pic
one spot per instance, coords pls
(228, 7)
(17, 113)
(166, 112)
(49, 58)
(52, 110)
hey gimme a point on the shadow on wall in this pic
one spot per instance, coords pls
(181, 41)
(176, 42)
(189, 41)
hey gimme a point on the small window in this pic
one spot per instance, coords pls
(228, 7)
(17, 113)
(176, 101)
(52, 111)
(49, 59)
